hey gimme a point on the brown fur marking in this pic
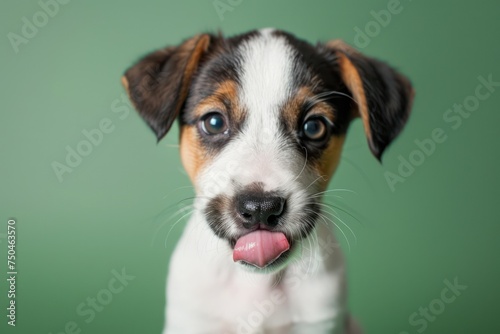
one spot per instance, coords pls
(291, 109)
(329, 161)
(224, 99)
(194, 156)
(353, 81)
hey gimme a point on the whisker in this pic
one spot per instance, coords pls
(172, 227)
(346, 239)
(337, 217)
(345, 211)
(324, 96)
(319, 177)
(303, 167)
(179, 211)
(334, 190)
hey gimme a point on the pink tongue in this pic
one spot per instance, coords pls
(260, 248)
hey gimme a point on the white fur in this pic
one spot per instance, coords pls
(207, 292)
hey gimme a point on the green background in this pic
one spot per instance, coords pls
(112, 211)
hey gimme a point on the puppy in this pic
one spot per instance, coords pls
(263, 117)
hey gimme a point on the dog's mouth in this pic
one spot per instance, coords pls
(260, 248)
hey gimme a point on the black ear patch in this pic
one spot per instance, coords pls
(158, 84)
(384, 97)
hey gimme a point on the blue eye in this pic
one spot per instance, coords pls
(315, 128)
(213, 124)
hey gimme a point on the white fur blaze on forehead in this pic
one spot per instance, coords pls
(266, 82)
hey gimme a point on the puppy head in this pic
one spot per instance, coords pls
(263, 117)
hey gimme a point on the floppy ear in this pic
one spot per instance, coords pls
(158, 84)
(384, 97)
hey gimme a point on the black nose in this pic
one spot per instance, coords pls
(259, 209)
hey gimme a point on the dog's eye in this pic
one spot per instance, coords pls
(315, 128)
(213, 124)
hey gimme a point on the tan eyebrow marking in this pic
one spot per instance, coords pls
(291, 110)
(225, 98)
